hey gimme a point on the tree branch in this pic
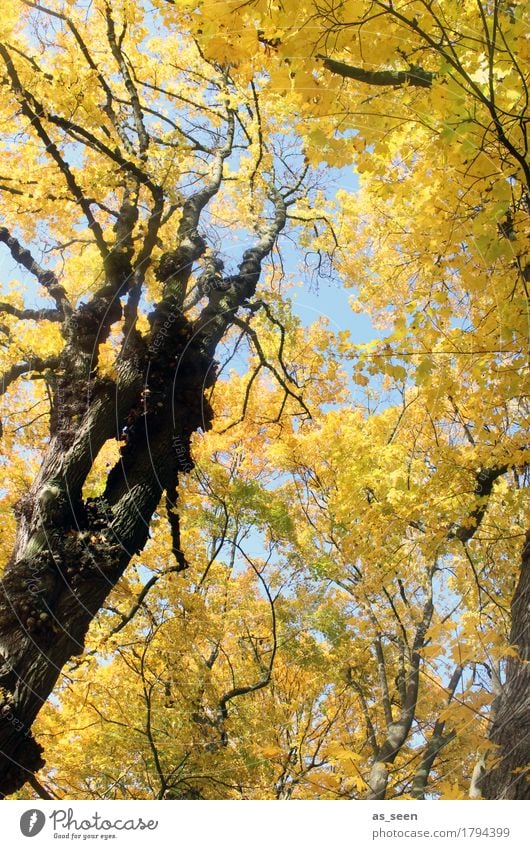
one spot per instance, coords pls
(435, 744)
(31, 315)
(34, 113)
(46, 277)
(19, 369)
(483, 489)
(415, 76)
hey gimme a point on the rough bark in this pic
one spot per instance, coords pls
(507, 777)
(69, 552)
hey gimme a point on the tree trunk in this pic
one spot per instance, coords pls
(70, 553)
(508, 776)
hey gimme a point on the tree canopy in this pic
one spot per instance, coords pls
(249, 555)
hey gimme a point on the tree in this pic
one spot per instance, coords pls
(394, 505)
(130, 163)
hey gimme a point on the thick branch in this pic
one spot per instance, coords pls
(31, 315)
(17, 370)
(46, 278)
(483, 489)
(414, 76)
(225, 300)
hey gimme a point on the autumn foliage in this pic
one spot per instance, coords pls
(247, 556)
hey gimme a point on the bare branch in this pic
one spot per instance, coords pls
(268, 365)
(266, 677)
